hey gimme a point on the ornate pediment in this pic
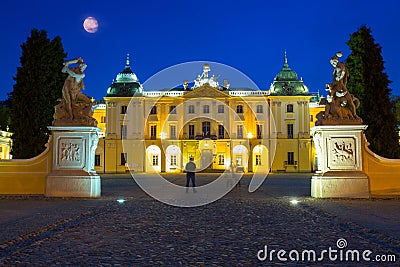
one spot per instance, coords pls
(206, 91)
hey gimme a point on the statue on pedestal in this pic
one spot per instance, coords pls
(75, 108)
(341, 105)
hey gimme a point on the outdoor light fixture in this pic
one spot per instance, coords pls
(121, 200)
(249, 135)
(163, 135)
(294, 201)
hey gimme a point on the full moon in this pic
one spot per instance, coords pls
(90, 25)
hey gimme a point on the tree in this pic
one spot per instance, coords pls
(369, 82)
(39, 81)
(5, 119)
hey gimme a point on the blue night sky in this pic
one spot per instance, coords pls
(250, 36)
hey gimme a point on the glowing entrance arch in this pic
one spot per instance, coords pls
(172, 194)
(173, 159)
(153, 159)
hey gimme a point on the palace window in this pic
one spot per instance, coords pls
(239, 109)
(172, 132)
(290, 158)
(173, 160)
(123, 132)
(221, 159)
(259, 109)
(206, 109)
(221, 109)
(191, 109)
(191, 131)
(289, 108)
(153, 110)
(258, 160)
(172, 109)
(311, 118)
(259, 131)
(154, 160)
(221, 131)
(290, 131)
(96, 160)
(153, 132)
(124, 158)
(103, 119)
(206, 128)
(240, 131)
(123, 109)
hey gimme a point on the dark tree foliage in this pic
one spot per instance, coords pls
(5, 107)
(37, 87)
(369, 82)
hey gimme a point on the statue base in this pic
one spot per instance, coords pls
(339, 156)
(73, 173)
(340, 185)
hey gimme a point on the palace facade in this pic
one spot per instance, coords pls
(221, 127)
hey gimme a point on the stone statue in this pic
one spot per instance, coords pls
(75, 108)
(340, 108)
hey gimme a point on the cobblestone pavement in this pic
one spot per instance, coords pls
(38, 231)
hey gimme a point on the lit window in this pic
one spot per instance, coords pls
(155, 160)
(258, 160)
(221, 159)
(173, 160)
(172, 132)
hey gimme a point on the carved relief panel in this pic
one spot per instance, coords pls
(71, 153)
(342, 153)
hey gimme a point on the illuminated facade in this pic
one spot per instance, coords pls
(158, 131)
(5, 145)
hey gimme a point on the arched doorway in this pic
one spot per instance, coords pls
(240, 158)
(260, 159)
(153, 159)
(172, 159)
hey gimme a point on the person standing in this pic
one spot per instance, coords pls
(190, 172)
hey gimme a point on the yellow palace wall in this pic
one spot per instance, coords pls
(143, 149)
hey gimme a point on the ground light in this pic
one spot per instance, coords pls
(121, 200)
(294, 201)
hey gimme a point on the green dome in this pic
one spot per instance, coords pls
(287, 82)
(126, 83)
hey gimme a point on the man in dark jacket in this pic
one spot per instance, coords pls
(190, 172)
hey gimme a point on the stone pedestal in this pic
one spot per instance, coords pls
(339, 159)
(73, 173)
